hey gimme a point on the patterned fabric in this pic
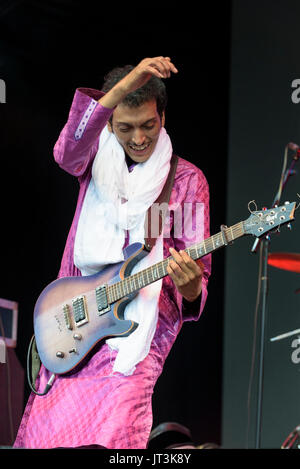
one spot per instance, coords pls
(93, 405)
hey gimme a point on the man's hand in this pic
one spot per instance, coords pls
(161, 67)
(186, 274)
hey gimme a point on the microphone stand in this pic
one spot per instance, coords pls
(264, 251)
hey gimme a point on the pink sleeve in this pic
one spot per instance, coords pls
(78, 141)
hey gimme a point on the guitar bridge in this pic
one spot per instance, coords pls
(101, 298)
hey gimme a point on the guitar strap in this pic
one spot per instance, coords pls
(157, 209)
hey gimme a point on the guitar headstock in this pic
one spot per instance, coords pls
(261, 222)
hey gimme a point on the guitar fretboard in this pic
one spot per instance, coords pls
(157, 271)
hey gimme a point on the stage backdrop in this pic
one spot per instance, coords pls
(263, 119)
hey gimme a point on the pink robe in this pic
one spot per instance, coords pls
(94, 406)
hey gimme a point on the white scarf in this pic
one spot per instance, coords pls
(117, 200)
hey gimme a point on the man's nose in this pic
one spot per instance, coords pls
(138, 137)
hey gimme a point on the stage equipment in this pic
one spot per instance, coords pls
(263, 244)
(285, 261)
(293, 440)
(11, 374)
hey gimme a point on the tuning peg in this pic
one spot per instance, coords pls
(289, 226)
(286, 203)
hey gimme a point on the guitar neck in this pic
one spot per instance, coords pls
(157, 271)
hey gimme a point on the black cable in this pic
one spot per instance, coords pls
(50, 382)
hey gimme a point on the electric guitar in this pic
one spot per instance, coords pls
(73, 314)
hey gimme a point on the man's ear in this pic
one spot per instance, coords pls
(109, 126)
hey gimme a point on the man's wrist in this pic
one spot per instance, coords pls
(192, 299)
(113, 97)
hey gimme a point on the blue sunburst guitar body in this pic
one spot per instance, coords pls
(67, 320)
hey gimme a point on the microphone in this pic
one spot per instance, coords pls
(292, 146)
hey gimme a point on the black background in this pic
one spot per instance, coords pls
(47, 50)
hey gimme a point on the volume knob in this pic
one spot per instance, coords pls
(60, 354)
(77, 336)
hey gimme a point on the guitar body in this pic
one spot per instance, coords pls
(65, 332)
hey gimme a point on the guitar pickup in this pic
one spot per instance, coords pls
(101, 298)
(80, 310)
(66, 311)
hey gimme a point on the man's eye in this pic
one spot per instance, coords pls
(149, 127)
(124, 129)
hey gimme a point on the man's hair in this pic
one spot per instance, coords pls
(154, 89)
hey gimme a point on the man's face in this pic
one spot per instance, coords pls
(137, 129)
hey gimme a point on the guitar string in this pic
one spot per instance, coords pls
(116, 291)
(122, 288)
(141, 279)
